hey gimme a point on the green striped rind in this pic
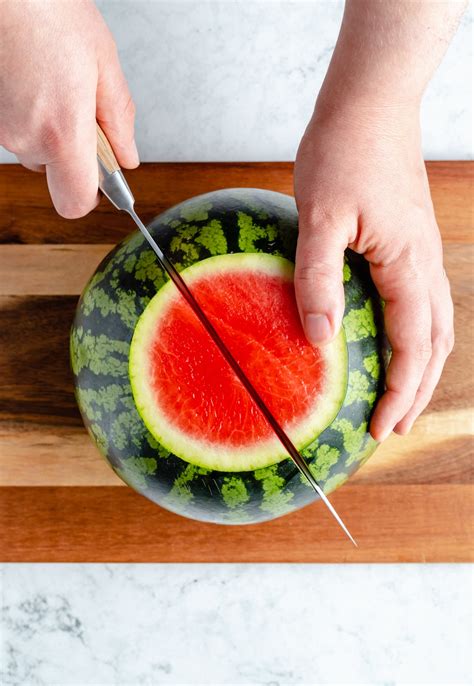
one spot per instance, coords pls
(236, 220)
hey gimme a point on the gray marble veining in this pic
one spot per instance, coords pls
(236, 624)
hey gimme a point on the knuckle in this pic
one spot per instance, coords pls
(314, 273)
(421, 350)
(129, 110)
(422, 397)
(110, 47)
(401, 398)
(64, 131)
(305, 275)
(313, 213)
(55, 138)
(120, 120)
(51, 137)
(444, 342)
(417, 259)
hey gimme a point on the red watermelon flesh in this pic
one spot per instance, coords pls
(188, 395)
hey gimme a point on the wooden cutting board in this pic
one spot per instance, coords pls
(59, 501)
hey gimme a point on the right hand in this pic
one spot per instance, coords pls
(61, 74)
(360, 182)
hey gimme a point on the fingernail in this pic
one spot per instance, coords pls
(384, 435)
(404, 430)
(318, 328)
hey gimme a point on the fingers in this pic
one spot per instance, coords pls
(116, 111)
(408, 325)
(69, 144)
(72, 172)
(318, 277)
(442, 341)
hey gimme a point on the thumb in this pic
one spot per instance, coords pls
(318, 279)
(116, 111)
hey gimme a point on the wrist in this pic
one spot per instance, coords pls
(367, 88)
(362, 111)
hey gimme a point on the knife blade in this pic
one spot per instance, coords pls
(114, 186)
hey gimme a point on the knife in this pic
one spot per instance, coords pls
(112, 183)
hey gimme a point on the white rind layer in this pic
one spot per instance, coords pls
(204, 453)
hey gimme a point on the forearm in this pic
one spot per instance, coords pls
(360, 182)
(387, 51)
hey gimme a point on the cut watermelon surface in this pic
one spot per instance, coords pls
(189, 397)
(161, 404)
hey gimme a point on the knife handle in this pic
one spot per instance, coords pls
(112, 182)
(105, 153)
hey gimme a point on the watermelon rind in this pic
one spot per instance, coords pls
(207, 453)
(230, 221)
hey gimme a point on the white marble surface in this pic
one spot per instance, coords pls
(237, 624)
(237, 80)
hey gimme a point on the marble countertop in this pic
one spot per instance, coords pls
(237, 624)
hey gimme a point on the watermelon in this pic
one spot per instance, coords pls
(188, 395)
(163, 406)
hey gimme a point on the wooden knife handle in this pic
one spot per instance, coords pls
(105, 152)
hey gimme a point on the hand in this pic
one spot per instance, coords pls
(360, 182)
(61, 73)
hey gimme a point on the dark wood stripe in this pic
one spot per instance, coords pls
(26, 215)
(35, 379)
(36, 383)
(106, 524)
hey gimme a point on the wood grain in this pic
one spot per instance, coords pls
(59, 500)
(26, 215)
(439, 450)
(48, 269)
(64, 456)
(391, 524)
(35, 379)
(65, 269)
